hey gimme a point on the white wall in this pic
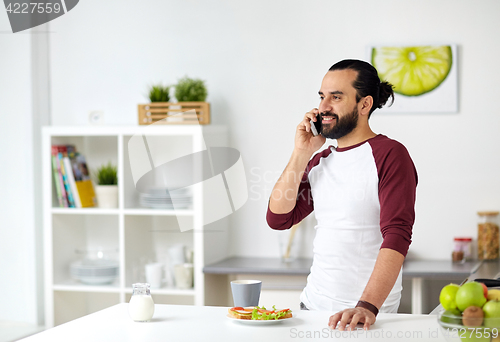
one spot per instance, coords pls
(17, 227)
(264, 61)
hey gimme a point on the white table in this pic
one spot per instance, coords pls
(205, 323)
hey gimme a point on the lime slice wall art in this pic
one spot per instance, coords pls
(424, 77)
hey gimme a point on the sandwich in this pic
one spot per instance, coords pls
(259, 313)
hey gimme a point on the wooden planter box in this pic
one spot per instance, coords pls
(180, 113)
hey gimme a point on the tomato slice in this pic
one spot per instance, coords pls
(237, 308)
(266, 311)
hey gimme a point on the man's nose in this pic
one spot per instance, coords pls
(324, 107)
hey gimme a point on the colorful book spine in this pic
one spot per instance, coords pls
(71, 201)
(56, 181)
(71, 182)
(59, 184)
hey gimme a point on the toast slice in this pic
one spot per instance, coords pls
(241, 313)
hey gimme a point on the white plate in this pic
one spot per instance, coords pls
(257, 321)
(96, 280)
(95, 264)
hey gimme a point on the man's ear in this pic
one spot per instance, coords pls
(366, 105)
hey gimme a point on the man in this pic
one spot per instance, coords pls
(363, 195)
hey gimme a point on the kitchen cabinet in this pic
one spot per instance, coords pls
(129, 234)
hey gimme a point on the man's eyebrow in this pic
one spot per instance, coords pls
(336, 92)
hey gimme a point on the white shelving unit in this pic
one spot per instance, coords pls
(135, 233)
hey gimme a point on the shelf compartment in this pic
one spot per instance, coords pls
(97, 150)
(72, 233)
(148, 238)
(159, 150)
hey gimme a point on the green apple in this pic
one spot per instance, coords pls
(447, 297)
(492, 313)
(470, 294)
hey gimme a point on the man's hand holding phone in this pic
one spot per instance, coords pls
(305, 145)
(305, 140)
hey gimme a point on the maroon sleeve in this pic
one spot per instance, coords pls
(397, 191)
(304, 205)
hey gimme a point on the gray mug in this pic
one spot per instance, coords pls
(246, 292)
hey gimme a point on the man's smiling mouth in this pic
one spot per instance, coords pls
(327, 119)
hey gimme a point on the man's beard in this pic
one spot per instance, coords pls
(342, 127)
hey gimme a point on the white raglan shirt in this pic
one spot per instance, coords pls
(346, 187)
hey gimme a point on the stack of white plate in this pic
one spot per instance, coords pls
(94, 272)
(161, 198)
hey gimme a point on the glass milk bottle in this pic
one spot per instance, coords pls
(141, 306)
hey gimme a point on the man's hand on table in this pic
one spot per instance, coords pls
(352, 317)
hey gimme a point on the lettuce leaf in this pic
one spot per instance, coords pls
(256, 315)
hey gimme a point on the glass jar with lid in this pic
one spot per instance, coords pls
(141, 306)
(462, 250)
(488, 240)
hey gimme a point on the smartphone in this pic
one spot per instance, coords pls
(316, 126)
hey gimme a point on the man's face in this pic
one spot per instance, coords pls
(343, 126)
(338, 106)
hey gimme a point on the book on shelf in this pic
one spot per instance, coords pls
(58, 180)
(71, 181)
(83, 184)
(61, 152)
(73, 185)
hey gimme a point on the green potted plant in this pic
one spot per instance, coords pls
(159, 93)
(191, 94)
(190, 90)
(107, 186)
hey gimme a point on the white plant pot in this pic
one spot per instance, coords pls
(107, 196)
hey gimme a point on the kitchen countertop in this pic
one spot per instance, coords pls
(488, 269)
(439, 269)
(197, 323)
(245, 265)
(436, 269)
